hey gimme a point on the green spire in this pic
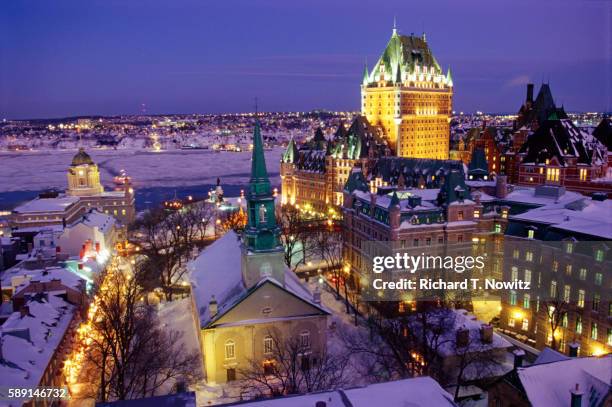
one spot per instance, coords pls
(260, 183)
(366, 75)
(449, 78)
(291, 153)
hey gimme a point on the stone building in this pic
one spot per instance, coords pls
(84, 192)
(313, 175)
(409, 97)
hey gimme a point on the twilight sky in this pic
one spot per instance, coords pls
(74, 57)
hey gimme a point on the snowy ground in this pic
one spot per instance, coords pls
(33, 171)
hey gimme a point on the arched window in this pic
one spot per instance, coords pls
(268, 345)
(305, 339)
(230, 349)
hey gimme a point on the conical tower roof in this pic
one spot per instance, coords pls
(260, 182)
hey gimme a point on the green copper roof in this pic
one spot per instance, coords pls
(366, 75)
(81, 158)
(406, 52)
(291, 153)
(260, 183)
(356, 180)
(449, 78)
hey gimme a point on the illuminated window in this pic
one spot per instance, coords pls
(529, 256)
(512, 297)
(564, 320)
(230, 350)
(594, 330)
(569, 249)
(527, 276)
(583, 174)
(609, 337)
(598, 278)
(581, 295)
(599, 255)
(526, 300)
(305, 339)
(552, 174)
(514, 273)
(515, 254)
(511, 322)
(567, 290)
(476, 213)
(497, 228)
(582, 274)
(553, 289)
(568, 270)
(530, 234)
(525, 325)
(268, 343)
(578, 324)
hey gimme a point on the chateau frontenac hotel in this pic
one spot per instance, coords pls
(389, 174)
(405, 112)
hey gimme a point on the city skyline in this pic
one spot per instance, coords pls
(62, 60)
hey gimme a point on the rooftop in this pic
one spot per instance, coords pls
(29, 341)
(59, 204)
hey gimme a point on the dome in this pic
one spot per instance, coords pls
(81, 158)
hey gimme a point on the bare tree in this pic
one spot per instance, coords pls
(128, 349)
(328, 246)
(296, 236)
(168, 238)
(292, 368)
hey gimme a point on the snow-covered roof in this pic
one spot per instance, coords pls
(97, 219)
(217, 272)
(549, 355)
(415, 392)
(67, 277)
(549, 384)
(29, 342)
(528, 195)
(594, 219)
(58, 204)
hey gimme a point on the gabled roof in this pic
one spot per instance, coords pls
(217, 272)
(562, 139)
(549, 384)
(291, 153)
(603, 132)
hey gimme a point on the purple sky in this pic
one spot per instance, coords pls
(64, 58)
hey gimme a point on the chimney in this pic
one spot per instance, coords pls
(320, 404)
(519, 354)
(486, 333)
(316, 296)
(529, 93)
(463, 337)
(573, 349)
(213, 308)
(501, 186)
(24, 311)
(576, 400)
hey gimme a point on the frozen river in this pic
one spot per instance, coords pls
(155, 175)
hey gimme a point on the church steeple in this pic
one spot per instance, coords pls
(262, 250)
(261, 233)
(259, 183)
